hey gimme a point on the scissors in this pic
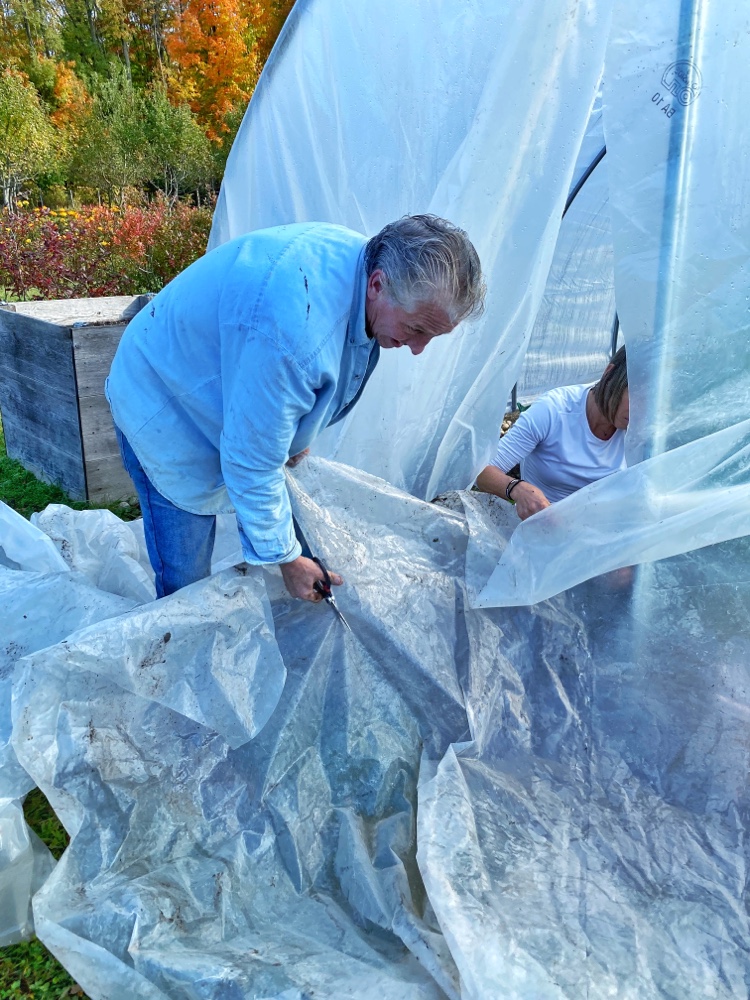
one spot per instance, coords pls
(322, 587)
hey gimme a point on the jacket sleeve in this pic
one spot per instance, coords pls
(521, 439)
(265, 398)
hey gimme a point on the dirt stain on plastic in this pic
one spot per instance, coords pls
(156, 653)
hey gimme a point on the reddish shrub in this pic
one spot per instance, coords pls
(59, 254)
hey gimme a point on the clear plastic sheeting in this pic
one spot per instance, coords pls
(40, 604)
(25, 864)
(676, 94)
(283, 867)
(572, 336)
(473, 110)
(24, 547)
(688, 498)
(593, 840)
(102, 547)
(524, 772)
(441, 803)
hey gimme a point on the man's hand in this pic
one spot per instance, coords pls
(296, 459)
(529, 500)
(300, 577)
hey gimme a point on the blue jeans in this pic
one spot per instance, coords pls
(179, 543)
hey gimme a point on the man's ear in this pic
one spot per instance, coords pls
(376, 284)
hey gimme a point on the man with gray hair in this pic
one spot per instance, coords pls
(247, 355)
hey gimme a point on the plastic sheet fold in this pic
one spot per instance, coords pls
(594, 844)
(288, 861)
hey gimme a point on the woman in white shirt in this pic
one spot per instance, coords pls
(568, 438)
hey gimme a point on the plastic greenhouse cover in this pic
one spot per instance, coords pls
(675, 97)
(444, 802)
(483, 128)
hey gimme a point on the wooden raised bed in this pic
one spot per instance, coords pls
(54, 359)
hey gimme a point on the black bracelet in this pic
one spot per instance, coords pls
(510, 487)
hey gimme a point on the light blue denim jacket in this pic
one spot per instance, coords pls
(240, 362)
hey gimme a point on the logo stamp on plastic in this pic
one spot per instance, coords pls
(683, 81)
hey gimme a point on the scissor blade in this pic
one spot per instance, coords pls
(344, 622)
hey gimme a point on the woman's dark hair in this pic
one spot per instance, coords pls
(610, 388)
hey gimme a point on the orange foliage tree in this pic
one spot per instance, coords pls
(71, 100)
(217, 49)
(214, 60)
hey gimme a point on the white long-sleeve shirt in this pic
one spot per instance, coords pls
(558, 451)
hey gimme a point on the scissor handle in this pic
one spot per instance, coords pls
(322, 587)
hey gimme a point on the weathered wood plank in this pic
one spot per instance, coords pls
(66, 312)
(94, 348)
(108, 481)
(52, 374)
(37, 350)
(105, 475)
(43, 433)
(38, 400)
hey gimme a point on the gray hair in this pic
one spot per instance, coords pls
(426, 259)
(610, 388)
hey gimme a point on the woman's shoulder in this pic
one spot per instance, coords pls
(553, 406)
(565, 398)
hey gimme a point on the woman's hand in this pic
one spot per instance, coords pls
(300, 576)
(528, 499)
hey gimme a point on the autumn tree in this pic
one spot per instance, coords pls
(28, 30)
(111, 153)
(268, 18)
(27, 139)
(70, 101)
(124, 93)
(214, 60)
(178, 151)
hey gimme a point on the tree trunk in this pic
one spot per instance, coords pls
(45, 40)
(91, 18)
(158, 41)
(29, 37)
(126, 57)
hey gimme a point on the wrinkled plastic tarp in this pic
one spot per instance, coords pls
(502, 169)
(41, 602)
(681, 226)
(444, 802)
(571, 340)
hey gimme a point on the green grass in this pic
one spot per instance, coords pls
(44, 823)
(28, 970)
(22, 491)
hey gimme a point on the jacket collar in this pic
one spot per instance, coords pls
(356, 332)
